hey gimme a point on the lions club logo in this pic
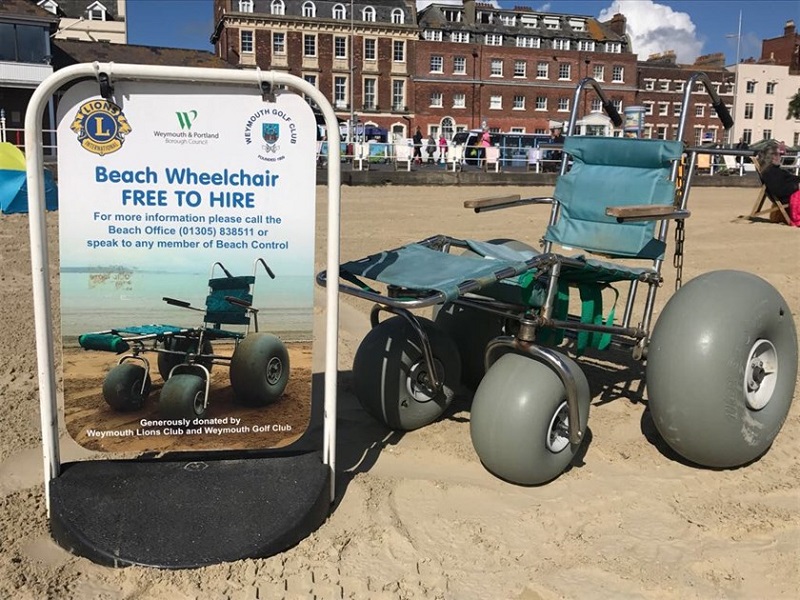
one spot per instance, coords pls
(101, 126)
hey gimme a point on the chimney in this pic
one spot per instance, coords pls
(788, 29)
(617, 24)
(469, 12)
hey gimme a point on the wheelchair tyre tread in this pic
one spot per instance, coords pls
(183, 397)
(122, 387)
(259, 369)
(703, 347)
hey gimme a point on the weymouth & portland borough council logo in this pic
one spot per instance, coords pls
(101, 126)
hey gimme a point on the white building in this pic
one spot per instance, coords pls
(89, 20)
(763, 92)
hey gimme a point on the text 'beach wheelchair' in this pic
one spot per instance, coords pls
(259, 364)
(721, 361)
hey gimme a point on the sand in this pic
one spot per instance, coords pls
(416, 515)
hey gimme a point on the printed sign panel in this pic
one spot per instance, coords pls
(186, 226)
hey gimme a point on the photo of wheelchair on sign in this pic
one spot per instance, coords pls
(512, 319)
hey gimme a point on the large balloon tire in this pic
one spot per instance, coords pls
(709, 398)
(387, 369)
(471, 328)
(519, 419)
(259, 369)
(166, 362)
(183, 397)
(122, 387)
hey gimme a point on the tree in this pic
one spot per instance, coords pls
(794, 107)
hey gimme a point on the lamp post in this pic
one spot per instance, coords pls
(738, 37)
(352, 75)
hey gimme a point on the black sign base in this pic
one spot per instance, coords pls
(184, 514)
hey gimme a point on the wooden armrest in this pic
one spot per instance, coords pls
(645, 212)
(494, 203)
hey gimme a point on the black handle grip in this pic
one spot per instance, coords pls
(612, 113)
(238, 301)
(174, 302)
(723, 114)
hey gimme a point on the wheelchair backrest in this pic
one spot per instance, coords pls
(218, 310)
(613, 172)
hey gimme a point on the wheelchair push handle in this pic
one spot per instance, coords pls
(723, 114)
(174, 302)
(612, 113)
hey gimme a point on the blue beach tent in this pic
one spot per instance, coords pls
(13, 185)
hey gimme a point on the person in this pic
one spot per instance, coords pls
(442, 148)
(431, 149)
(417, 158)
(742, 145)
(782, 185)
(553, 157)
(486, 141)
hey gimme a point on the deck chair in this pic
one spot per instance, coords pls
(492, 161)
(776, 208)
(454, 157)
(403, 155)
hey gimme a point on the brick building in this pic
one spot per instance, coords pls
(450, 68)
(661, 91)
(784, 50)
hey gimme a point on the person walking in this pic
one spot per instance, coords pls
(442, 149)
(417, 158)
(430, 149)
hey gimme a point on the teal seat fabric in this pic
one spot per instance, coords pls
(219, 310)
(613, 172)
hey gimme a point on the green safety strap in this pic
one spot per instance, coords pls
(592, 312)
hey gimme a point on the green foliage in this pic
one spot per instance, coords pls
(794, 107)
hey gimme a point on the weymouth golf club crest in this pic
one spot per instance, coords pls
(101, 126)
(270, 132)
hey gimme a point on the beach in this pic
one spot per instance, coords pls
(416, 515)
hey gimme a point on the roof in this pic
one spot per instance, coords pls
(70, 52)
(75, 9)
(26, 9)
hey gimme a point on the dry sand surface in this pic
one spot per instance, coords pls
(417, 516)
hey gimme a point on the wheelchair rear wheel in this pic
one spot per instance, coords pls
(259, 369)
(519, 420)
(391, 375)
(126, 387)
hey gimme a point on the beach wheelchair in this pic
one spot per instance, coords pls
(258, 366)
(720, 363)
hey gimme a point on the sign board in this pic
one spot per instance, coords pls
(181, 210)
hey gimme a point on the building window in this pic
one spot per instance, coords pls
(551, 23)
(340, 92)
(459, 65)
(648, 108)
(768, 112)
(663, 109)
(312, 79)
(614, 48)
(368, 14)
(246, 41)
(699, 110)
(528, 41)
(497, 67)
(649, 85)
(766, 134)
(564, 70)
(459, 100)
(529, 20)
(750, 88)
(339, 12)
(599, 72)
(563, 104)
(436, 99)
(519, 102)
(370, 93)
(747, 135)
(586, 45)
(748, 110)
(618, 74)
(399, 51)
(309, 45)
(432, 35)
(340, 47)
(452, 15)
(96, 12)
(698, 136)
(541, 103)
(309, 10)
(771, 87)
(559, 44)
(398, 94)
(495, 102)
(437, 64)
(398, 16)
(246, 6)
(278, 7)
(677, 107)
(494, 39)
(679, 85)
(597, 105)
(617, 105)
(508, 20)
(520, 68)
(278, 42)
(542, 70)
(460, 37)
(370, 49)
(577, 24)
(664, 85)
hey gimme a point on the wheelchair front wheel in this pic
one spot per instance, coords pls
(721, 368)
(519, 420)
(183, 397)
(259, 369)
(126, 387)
(391, 375)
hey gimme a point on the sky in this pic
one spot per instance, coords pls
(690, 27)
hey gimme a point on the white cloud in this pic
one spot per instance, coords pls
(655, 28)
